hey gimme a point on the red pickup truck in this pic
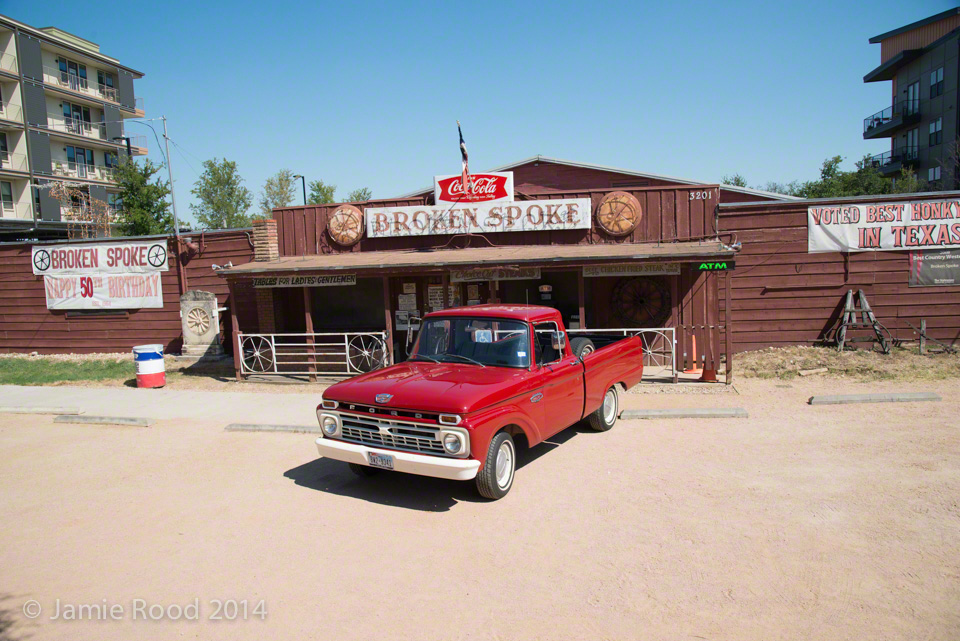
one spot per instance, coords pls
(478, 380)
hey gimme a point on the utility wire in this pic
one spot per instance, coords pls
(159, 146)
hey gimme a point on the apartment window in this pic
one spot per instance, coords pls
(114, 203)
(936, 82)
(6, 195)
(106, 84)
(912, 103)
(80, 160)
(4, 155)
(109, 160)
(933, 174)
(936, 132)
(77, 117)
(73, 74)
(913, 144)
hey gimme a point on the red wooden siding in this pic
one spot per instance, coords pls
(26, 325)
(782, 295)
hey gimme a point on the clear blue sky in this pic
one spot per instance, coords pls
(368, 94)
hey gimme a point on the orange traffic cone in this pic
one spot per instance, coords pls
(694, 369)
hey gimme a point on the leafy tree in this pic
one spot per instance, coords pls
(278, 191)
(145, 208)
(321, 193)
(908, 182)
(357, 195)
(736, 180)
(223, 201)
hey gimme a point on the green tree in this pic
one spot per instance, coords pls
(358, 195)
(277, 192)
(736, 180)
(145, 208)
(222, 200)
(908, 182)
(321, 193)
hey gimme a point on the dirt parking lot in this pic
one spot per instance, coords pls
(798, 523)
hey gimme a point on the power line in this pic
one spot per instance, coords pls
(159, 146)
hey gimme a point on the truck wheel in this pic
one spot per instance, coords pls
(581, 346)
(496, 477)
(606, 415)
(362, 470)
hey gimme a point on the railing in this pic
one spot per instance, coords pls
(903, 108)
(8, 62)
(889, 157)
(659, 347)
(324, 353)
(10, 161)
(76, 126)
(136, 140)
(81, 214)
(11, 112)
(55, 76)
(17, 211)
(85, 171)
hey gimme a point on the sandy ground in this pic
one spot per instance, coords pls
(798, 523)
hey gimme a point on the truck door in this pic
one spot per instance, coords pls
(562, 379)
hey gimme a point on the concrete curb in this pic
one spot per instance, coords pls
(264, 427)
(895, 397)
(716, 412)
(38, 409)
(131, 421)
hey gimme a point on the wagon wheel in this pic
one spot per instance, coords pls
(346, 225)
(366, 353)
(641, 302)
(619, 213)
(258, 354)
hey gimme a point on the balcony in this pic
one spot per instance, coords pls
(11, 112)
(891, 162)
(54, 77)
(82, 214)
(884, 124)
(76, 126)
(8, 63)
(13, 162)
(84, 171)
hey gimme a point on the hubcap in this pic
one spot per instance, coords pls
(609, 407)
(504, 464)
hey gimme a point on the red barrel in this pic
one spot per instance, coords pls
(150, 370)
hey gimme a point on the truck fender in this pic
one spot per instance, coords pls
(488, 424)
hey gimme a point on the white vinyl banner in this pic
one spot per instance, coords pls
(478, 218)
(931, 224)
(104, 291)
(100, 258)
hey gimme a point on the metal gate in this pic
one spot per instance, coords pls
(326, 353)
(659, 347)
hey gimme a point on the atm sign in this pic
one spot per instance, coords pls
(717, 267)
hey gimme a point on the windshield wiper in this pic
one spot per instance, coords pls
(429, 358)
(467, 358)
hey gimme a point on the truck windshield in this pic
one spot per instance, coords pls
(480, 341)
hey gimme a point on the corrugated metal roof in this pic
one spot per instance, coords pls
(487, 256)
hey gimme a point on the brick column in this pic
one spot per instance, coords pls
(265, 248)
(265, 318)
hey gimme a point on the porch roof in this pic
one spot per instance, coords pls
(531, 255)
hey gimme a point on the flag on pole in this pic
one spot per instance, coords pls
(465, 175)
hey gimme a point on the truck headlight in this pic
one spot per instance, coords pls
(452, 443)
(329, 424)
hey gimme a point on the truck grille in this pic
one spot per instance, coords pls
(398, 436)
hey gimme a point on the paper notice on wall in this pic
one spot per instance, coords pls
(104, 291)
(473, 292)
(435, 297)
(407, 302)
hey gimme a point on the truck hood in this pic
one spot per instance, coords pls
(448, 388)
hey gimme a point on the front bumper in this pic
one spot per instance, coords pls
(441, 468)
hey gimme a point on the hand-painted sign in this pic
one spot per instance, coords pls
(717, 266)
(929, 224)
(493, 273)
(100, 258)
(104, 291)
(651, 269)
(936, 268)
(305, 281)
(493, 187)
(478, 218)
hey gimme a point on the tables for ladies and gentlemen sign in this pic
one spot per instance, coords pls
(305, 281)
(478, 218)
(912, 225)
(101, 275)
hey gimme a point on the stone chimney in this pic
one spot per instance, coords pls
(265, 245)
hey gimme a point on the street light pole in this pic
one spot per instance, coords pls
(173, 192)
(303, 183)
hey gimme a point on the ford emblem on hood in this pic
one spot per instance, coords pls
(383, 398)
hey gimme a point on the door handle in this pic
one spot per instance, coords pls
(573, 363)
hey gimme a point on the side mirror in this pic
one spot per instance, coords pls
(411, 321)
(557, 341)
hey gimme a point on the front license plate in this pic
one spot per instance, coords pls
(380, 460)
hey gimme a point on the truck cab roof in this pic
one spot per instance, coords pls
(526, 313)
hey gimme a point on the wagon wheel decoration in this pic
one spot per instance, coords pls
(346, 225)
(366, 353)
(198, 320)
(157, 255)
(619, 213)
(641, 302)
(258, 354)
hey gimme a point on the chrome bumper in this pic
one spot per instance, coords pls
(441, 468)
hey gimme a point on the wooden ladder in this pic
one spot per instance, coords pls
(867, 321)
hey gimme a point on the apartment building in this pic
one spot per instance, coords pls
(62, 109)
(921, 61)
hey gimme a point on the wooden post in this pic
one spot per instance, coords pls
(234, 330)
(922, 339)
(311, 345)
(388, 318)
(445, 284)
(582, 299)
(494, 294)
(679, 339)
(727, 324)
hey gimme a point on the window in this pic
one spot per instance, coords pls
(105, 83)
(936, 132)
(109, 159)
(912, 103)
(933, 174)
(72, 74)
(114, 203)
(4, 156)
(80, 160)
(473, 342)
(936, 82)
(546, 348)
(6, 195)
(913, 144)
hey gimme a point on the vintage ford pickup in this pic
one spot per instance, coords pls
(479, 381)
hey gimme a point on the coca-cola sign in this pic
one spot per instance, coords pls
(485, 188)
